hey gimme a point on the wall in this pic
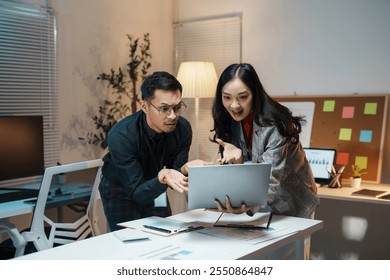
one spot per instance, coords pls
(91, 40)
(307, 46)
(310, 47)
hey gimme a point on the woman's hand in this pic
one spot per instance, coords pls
(229, 209)
(230, 153)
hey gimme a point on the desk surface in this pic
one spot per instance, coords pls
(72, 194)
(345, 193)
(214, 243)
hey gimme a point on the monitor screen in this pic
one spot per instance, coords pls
(21, 147)
(320, 160)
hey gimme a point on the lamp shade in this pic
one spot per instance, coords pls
(198, 78)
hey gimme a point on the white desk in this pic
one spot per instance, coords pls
(190, 245)
(74, 194)
(345, 193)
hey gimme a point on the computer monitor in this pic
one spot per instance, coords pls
(21, 147)
(321, 161)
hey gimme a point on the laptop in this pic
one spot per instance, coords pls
(243, 183)
(321, 160)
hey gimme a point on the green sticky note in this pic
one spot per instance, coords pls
(345, 134)
(370, 108)
(329, 106)
(361, 161)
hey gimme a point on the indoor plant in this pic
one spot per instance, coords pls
(357, 173)
(124, 92)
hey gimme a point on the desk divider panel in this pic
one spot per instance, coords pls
(354, 125)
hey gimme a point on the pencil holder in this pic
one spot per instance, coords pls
(336, 181)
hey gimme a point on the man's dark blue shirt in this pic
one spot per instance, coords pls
(135, 157)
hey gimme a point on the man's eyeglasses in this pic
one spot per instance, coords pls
(165, 110)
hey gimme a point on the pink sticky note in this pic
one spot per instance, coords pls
(348, 112)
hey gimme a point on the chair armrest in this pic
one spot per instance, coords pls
(17, 239)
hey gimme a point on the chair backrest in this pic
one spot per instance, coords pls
(59, 233)
(95, 212)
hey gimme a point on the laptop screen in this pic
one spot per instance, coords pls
(321, 160)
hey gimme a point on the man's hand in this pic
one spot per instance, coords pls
(230, 153)
(229, 209)
(195, 162)
(174, 179)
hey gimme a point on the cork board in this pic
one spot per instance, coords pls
(354, 125)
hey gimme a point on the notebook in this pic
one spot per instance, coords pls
(243, 183)
(320, 161)
(367, 192)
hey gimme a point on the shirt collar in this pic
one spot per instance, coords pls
(150, 132)
(248, 119)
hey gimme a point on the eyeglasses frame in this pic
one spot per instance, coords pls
(171, 107)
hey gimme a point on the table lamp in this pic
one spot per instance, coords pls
(199, 80)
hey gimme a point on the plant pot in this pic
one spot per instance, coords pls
(355, 182)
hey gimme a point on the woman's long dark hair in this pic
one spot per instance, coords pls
(266, 111)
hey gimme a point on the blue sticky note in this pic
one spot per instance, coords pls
(365, 136)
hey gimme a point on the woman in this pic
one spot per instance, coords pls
(250, 126)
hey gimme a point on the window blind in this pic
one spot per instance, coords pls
(28, 69)
(216, 40)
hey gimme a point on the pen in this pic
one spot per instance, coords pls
(157, 229)
(191, 229)
(269, 220)
(221, 151)
(341, 169)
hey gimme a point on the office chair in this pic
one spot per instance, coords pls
(17, 239)
(59, 233)
(98, 222)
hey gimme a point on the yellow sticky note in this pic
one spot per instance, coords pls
(361, 161)
(370, 108)
(329, 106)
(345, 134)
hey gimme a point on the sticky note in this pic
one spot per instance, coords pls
(329, 106)
(342, 158)
(365, 136)
(370, 108)
(345, 134)
(361, 161)
(348, 112)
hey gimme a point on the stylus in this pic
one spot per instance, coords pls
(221, 151)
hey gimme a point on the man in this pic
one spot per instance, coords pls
(146, 151)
